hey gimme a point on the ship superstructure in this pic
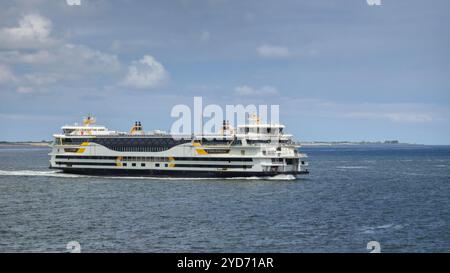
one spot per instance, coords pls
(253, 149)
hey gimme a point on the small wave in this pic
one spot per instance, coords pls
(385, 226)
(352, 167)
(371, 230)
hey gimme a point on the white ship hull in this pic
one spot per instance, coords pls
(161, 155)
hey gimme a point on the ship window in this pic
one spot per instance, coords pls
(166, 165)
(142, 164)
(133, 164)
(251, 141)
(242, 152)
(157, 165)
(303, 162)
(124, 164)
(247, 130)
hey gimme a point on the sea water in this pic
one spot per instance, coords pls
(397, 195)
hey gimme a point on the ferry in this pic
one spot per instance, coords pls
(250, 150)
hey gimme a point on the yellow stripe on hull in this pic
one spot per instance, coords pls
(201, 151)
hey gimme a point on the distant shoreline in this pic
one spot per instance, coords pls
(25, 143)
(338, 143)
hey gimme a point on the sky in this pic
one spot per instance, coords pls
(339, 70)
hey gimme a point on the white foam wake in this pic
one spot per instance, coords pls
(36, 173)
(283, 177)
(56, 173)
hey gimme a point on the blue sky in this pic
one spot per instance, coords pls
(340, 70)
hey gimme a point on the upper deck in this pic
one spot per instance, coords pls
(253, 133)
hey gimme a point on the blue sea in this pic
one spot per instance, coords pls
(397, 195)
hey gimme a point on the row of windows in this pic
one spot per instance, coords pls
(219, 141)
(214, 166)
(215, 141)
(258, 130)
(143, 144)
(73, 141)
(86, 163)
(129, 144)
(289, 161)
(157, 159)
(152, 144)
(103, 164)
(142, 164)
(259, 141)
(196, 166)
(85, 157)
(137, 149)
(217, 151)
(238, 159)
(147, 158)
(156, 165)
(267, 141)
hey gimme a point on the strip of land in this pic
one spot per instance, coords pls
(25, 143)
(334, 143)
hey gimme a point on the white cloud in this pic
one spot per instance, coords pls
(15, 56)
(87, 60)
(66, 57)
(270, 51)
(147, 73)
(33, 31)
(245, 90)
(48, 60)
